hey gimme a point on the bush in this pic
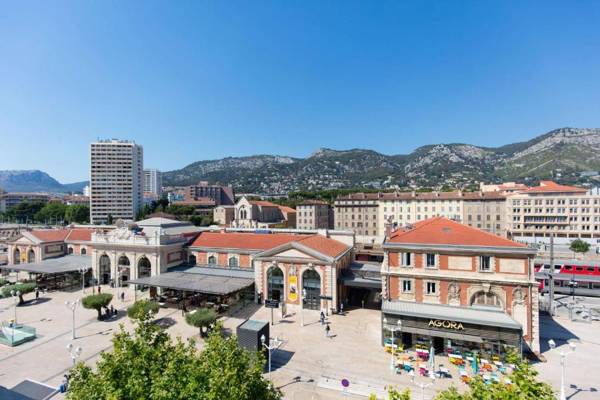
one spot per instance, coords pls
(141, 308)
(97, 302)
(201, 318)
(24, 288)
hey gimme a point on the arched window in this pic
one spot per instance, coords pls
(31, 256)
(144, 267)
(70, 250)
(243, 214)
(486, 299)
(233, 262)
(104, 269)
(212, 260)
(192, 259)
(17, 256)
(123, 261)
(83, 251)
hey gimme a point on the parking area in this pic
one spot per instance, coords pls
(307, 365)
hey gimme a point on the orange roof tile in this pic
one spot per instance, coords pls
(287, 209)
(80, 235)
(553, 187)
(262, 203)
(266, 241)
(442, 231)
(50, 235)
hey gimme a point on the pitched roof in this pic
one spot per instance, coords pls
(454, 195)
(50, 235)
(442, 231)
(266, 241)
(79, 235)
(553, 187)
(262, 203)
(286, 209)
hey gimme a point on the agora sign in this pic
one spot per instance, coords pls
(438, 323)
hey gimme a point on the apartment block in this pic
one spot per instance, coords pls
(219, 195)
(153, 182)
(314, 214)
(358, 212)
(555, 210)
(116, 180)
(11, 199)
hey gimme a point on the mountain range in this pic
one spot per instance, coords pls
(567, 155)
(35, 181)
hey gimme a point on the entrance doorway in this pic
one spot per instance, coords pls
(359, 297)
(275, 284)
(311, 284)
(104, 269)
(438, 344)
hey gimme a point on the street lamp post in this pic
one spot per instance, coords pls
(15, 295)
(563, 365)
(421, 385)
(74, 352)
(393, 331)
(72, 305)
(270, 347)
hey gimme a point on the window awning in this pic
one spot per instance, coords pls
(469, 315)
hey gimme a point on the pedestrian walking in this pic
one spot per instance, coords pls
(113, 311)
(327, 331)
(122, 296)
(322, 317)
(98, 289)
(37, 294)
(342, 308)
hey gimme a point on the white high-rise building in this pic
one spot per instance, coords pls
(116, 180)
(153, 182)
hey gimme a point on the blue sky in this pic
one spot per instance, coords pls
(202, 80)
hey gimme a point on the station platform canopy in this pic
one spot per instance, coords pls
(218, 281)
(59, 265)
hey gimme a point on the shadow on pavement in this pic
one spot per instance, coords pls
(29, 303)
(279, 358)
(579, 390)
(165, 322)
(553, 330)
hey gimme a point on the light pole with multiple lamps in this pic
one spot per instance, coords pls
(270, 347)
(74, 352)
(563, 365)
(15, 295)
(72, 305)
(421, 385)
(393, 330)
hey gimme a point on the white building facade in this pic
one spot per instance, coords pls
(116, 180)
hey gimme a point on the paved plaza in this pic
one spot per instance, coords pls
(308, 365)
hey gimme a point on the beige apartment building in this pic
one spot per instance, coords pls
(358, 212)
(314, 214)
(551, 209)
(480, 210)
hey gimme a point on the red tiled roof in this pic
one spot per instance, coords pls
(287, 209)
(260, 242)
(455, 195)
(442, 231)
(262, 203)
(50, 235)
(553, 187)
(80, 235)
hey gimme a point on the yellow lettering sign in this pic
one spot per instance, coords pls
(438, 323)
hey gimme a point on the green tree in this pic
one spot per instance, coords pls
(579, 246)
(524, 386)
(201, 318)
(24, 211)
(97, 302)
(52, 211)
(78, 214)
(23, 288)
(142, 308)
(394, 394)
(147, 364)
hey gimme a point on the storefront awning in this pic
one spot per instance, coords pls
(467, 315)
(71, 263)
(196, 282)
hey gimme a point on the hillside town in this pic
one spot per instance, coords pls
(448, 274)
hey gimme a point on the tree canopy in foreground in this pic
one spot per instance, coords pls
(147, 364)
